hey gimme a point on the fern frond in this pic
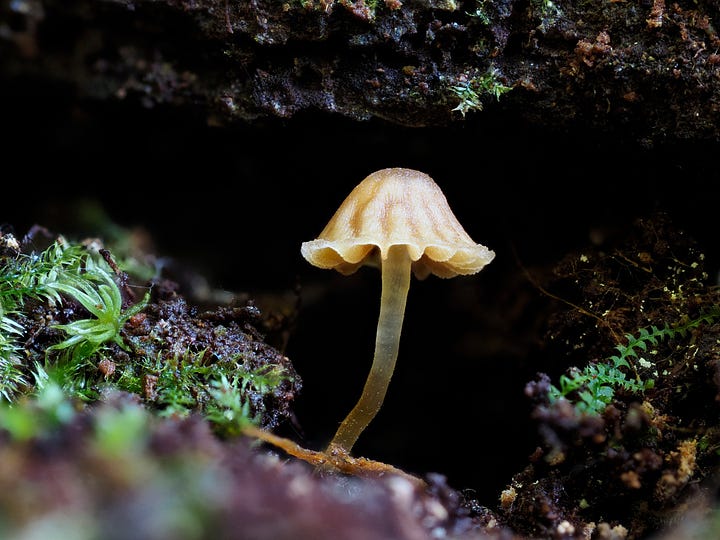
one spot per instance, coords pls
(595, 385)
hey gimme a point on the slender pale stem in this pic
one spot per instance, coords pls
(395, 284)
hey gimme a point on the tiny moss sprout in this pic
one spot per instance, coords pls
(121, 433)
(473, 91)
(37, 414)
(548, 13)
(95, 289)
(481, 12)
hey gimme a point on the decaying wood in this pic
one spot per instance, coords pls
(645, 69)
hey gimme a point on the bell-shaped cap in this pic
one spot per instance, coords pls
(397, 207)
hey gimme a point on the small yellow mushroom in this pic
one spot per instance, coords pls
(398, 220)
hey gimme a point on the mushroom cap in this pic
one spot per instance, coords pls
(397, 207)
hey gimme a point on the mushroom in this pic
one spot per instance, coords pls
(398, 220)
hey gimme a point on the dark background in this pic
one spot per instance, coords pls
(234, 203)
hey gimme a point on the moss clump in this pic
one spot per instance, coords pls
(475, 90)
(69, 318)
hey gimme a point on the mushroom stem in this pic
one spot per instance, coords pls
(395, 285)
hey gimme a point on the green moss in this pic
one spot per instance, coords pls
(227, 393)
(475, 90)
(94, 287)
(120, 432)
(37, 415)
(62, 273)
(480, 12)
(547, 12)
(81, 280)
(25, 278)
